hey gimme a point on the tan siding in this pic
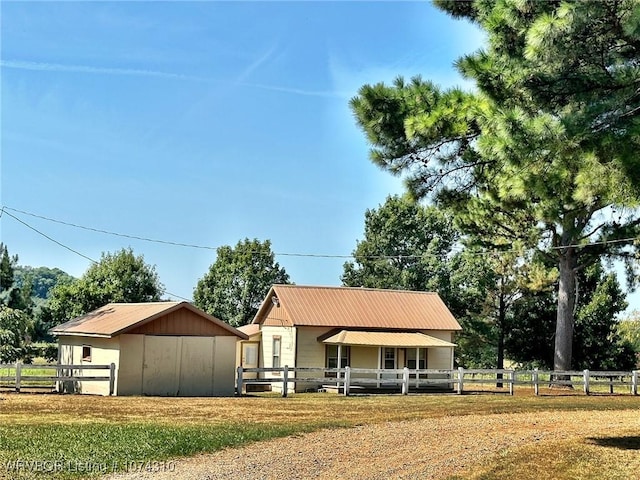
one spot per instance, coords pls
(130, 368)
(223, 366)
(104, 351)
(181, 323)
(439, 358)
(287, 350)
(365, 357)
(311, 353)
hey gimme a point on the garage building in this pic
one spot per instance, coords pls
(159, 348)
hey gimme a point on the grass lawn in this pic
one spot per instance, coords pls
(71, 436)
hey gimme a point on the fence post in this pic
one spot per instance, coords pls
(585, 375)
(112, 378)
(18, 375)
(634, 382)
(460, 380)
(347, 380)
(239, 382)
(512, 380)
(285, 380)
(405, 381)
(536, 383)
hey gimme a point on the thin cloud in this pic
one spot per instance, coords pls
(256, 64)
(297, 91)
(57, 67)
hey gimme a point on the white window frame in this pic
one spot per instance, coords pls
(276, 353)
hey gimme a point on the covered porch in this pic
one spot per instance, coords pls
(387, 350)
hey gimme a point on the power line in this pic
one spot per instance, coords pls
(3, 210)
(284, 254)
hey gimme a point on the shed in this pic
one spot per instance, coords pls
(158, 348)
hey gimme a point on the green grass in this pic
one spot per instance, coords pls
(76, 450)
(84, 435)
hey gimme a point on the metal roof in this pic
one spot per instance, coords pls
(117, 318)
(386, 339)
(358, 307)
(251, 329)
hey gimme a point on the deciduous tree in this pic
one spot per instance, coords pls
(237, 282)
(116, 277)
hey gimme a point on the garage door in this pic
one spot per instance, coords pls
(160, 366)
(178, 366)
(196, 366)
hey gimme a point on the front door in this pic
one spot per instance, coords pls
(250, 358)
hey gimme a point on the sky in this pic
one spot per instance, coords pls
(201, 123)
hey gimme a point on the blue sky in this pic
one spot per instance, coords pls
(202, 123)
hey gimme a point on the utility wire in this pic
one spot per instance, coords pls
(284, 254)
(3, 210)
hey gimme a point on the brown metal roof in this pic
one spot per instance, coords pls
(359, 307)
(117, 318)
(386, 339)
(250, 330)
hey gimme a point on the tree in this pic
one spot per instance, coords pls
(597, 342)
(41, 279)
(406, 247)
(543, 150)
(629, 331)
(237, 282)
(14, 334)
(11, 294)
(117, 277)
(409, 246)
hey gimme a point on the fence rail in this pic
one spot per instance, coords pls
(61, 373)
(346, 379)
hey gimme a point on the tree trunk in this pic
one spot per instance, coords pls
(502, 316)
(566, 304)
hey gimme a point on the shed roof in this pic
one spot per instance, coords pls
(117, 318)
(386, 339)
(358, 307)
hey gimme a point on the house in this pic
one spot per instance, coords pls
(158, 348)
(308, 326)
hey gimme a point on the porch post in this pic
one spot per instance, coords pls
(339, 364)
(379, 365)
(417, 367)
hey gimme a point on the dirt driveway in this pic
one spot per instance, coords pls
(431, 449)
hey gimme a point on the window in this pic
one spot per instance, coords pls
(389, 358)
(276, 352)
(411, 358)
(332, 356)
(86, 353)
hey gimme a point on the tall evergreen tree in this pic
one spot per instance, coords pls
(545, 148)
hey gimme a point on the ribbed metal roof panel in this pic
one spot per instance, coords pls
(387, 339)
(363, 308)
(115, 318)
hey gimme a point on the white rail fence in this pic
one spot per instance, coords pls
(347, 379)
(23, 376)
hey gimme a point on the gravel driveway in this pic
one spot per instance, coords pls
(434, 448)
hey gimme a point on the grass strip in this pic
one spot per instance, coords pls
(81, 450)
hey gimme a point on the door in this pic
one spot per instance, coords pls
(159, 366)
(250, 358)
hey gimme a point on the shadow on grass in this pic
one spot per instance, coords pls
(623, 443)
